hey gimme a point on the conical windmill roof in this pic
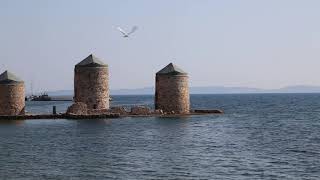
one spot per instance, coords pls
(91, 61)
(8, 77)
(171, 69)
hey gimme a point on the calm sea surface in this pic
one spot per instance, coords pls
(260, 136)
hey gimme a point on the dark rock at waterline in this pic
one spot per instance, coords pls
(208, 111)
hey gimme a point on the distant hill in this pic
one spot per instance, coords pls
(205, 90)
(147, 90)
(298, 89)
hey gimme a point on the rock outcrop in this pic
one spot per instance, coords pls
(119, 109)
(158, 111)
(78, 108)
(140, 110)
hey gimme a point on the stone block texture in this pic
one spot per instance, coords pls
(91, 86)
(78, 108)
(172, 93)
(12, 99)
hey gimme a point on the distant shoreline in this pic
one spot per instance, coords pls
(208, 90)
(69, 97)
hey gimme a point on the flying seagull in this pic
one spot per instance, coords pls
(125, 34)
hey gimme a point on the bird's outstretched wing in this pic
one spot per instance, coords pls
(123, 32)
(134, 28)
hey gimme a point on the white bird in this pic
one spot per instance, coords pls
(125, 34)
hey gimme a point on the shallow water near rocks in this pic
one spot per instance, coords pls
(260, 136)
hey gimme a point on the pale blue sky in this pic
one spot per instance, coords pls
(264, 44)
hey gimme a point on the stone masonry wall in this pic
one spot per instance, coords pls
(12, 99)
(172, 94)
(91, 86)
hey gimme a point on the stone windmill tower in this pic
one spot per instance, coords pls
(172, 90)
(12, 95)
(91, 83)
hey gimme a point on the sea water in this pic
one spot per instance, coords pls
(260, 136)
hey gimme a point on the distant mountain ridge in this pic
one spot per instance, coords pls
(205, 90)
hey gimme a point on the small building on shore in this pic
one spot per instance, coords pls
(91, 83)
(172, 90)
(12, 95)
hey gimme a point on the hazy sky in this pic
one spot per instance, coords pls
(265, 44)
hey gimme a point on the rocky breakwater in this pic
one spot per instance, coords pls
(144, 111)
(79, 110)
(59, 116)
(134, 111)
